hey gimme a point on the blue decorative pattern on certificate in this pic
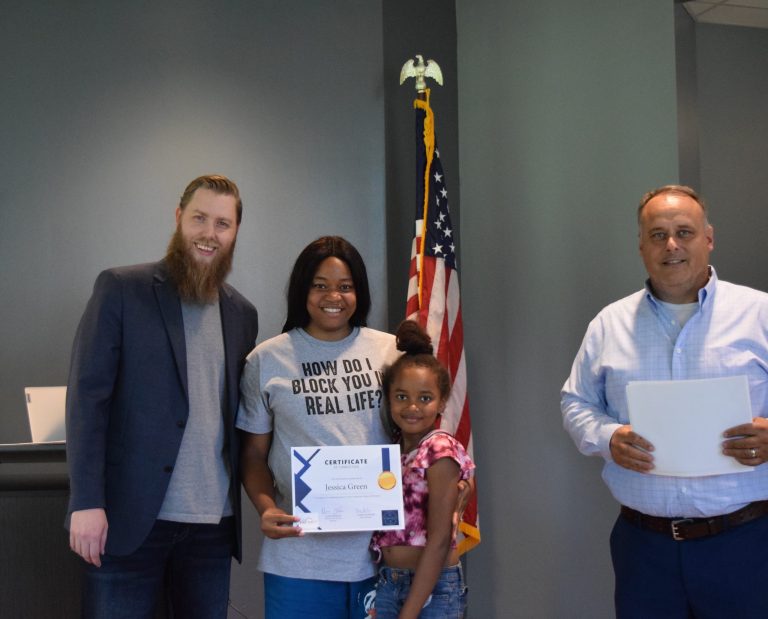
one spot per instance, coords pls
(351, 488)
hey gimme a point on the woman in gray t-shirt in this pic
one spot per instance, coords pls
(317, 383)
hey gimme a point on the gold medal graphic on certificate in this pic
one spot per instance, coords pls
(387, 479)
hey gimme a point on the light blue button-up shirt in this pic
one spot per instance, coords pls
(637, 338)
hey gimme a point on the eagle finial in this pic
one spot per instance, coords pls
(421, 70)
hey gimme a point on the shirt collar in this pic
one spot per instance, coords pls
(704, 293)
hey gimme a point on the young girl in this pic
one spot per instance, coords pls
(421, 576)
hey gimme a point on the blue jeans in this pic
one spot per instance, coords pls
(302, 598)
(193, 560)
(448, 599)
(707, 578)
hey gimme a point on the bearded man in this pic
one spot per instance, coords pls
(151, 443)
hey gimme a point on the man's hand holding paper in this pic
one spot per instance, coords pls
(630, 450)
(748, 443)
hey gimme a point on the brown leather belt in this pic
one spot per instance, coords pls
(682, 529)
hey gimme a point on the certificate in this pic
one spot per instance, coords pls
(350, 488)
(685, 419)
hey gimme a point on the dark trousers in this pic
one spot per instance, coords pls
(193, 560)
(718, 577)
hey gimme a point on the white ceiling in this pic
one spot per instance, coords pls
(753, 13)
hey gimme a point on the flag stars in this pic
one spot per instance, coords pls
(442, 216)
(438, 177)
(444, 192)
(438, 224)
(447, 232)
(437, 249)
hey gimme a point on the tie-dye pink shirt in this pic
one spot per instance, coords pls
(434, 446)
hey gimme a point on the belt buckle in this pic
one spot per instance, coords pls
(675, 532)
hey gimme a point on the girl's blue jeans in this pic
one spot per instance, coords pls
(448, 599)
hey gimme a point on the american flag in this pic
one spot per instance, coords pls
(433, 291)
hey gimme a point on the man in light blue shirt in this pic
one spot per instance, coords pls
(682, 546)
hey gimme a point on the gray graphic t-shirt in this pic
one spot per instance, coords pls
(313, 392)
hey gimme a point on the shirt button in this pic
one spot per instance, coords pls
(168, 469)
(678, 350)
(684, 490)
(181, 424)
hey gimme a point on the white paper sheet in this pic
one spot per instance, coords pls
(685, 419)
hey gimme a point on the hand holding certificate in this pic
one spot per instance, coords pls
(350, 488)
(685, 419)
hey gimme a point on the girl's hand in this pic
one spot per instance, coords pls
(466, 490)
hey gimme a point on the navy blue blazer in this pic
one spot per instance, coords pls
(127, 398)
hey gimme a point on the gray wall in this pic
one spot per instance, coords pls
(687, 98)
(732, 78)
(566, 116)
(109, 110)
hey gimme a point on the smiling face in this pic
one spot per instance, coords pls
(675, 242)
(208, 225)
(200, 252)
(331, 300)
(415, 402)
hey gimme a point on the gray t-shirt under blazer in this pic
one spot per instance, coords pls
(199, 486)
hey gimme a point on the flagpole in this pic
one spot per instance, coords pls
(420, 71)
(433, 298)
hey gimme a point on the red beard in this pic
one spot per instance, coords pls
(196, 282)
